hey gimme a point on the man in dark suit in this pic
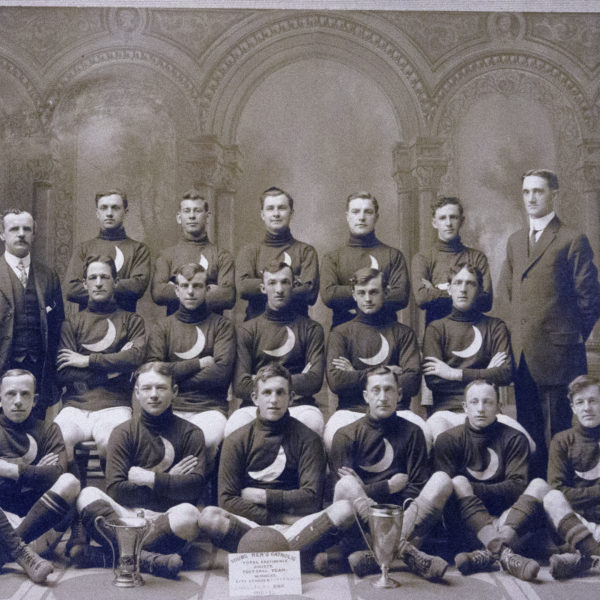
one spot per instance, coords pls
(551, 282)
(31, 308)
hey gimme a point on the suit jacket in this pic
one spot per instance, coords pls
(52, 314)
(554, 298)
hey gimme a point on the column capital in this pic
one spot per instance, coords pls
(589, 164)
(212, 164)
(428, 165)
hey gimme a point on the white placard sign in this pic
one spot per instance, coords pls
(265, 573)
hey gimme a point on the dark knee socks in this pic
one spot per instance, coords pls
(577, 535)
(48, 511)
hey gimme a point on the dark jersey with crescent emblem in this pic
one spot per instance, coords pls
(115, 340)
(182, 339)
(338, 267)
(494, 459)
(25, 444)
(574, 468)
(132, 260)
(379, 448)
(435, 266)
(368, 341)
(155, 443)
(288, 338)
(467, 341)
(219, 267)
(284, 457)
(253, 258)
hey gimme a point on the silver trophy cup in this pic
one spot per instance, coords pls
(130, 533)
(385, 523)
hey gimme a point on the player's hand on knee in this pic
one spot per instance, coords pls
(350, 472)
(397, 482)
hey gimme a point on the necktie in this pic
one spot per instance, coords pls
(22, 273)
(532, 239)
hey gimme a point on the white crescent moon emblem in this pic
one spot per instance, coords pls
(287, 259)
(490, 470)
(203, 262)
(274, 470)
(380, 356)
(28, 457)
(290, 340)
(384, 463)
(473, 348)
(196, 348)
(106, 341)
(592, 474)
(119, 258)
(167, 459)
(374, 263)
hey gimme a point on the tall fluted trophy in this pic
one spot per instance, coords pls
(130, 533)
(385, 523)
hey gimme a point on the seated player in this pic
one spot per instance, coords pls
(276, 212)
(99, 349)
(430, 269)
(382, 458)
(373, 338)
(155, 462)
(272, 472)
(574, 471)
(200, 346)
(466, 345)
(36, 494)
(362, 249)
(194, 247)
(280, 334)
(488, 462)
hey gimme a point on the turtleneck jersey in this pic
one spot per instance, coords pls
(435, 266)
(156, 443)
(132, 260)
(574, 468)
(293, 340)
(377, 449)
(338, 267)
(220, 274)
(368, 341)
(253, 258)
(468, 341)
(283, 457)
(115, 341)
(182, 339)
(495, 460)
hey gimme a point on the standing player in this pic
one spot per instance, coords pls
(362, 250)
(200, 347)
(276, 211)
(194, 247)
(131, 258)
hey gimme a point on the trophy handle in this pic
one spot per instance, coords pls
(357, 519)
(100, 520)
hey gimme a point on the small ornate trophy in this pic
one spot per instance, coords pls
(130, 533)
(385, 523)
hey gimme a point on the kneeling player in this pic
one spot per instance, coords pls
(35, 492)
(272, 472)
(155, 462)
(382, 458)
(488, 462)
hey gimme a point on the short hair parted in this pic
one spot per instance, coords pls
(17, 373)
(14, 211)
(188, 270)
(273, 369)
(363, 196)
(162, 368)
(275, 191)
(100, 258)
(581, 383)
(549, 176)
(274, 266)
(380, 370)
(483, 382)
(364, 275)
(194, 194)
(444, 201)
(114, 191)
(453, 271)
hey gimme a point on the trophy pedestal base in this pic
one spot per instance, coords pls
(127, 580)
(385, 583)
